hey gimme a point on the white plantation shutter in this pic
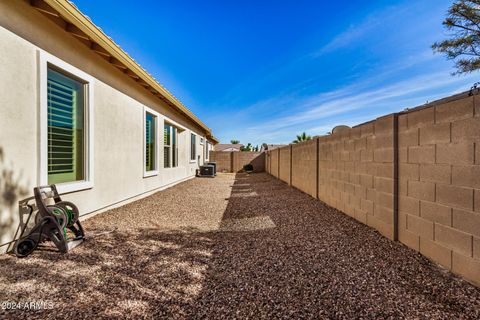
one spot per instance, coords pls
(65, 128)
(170, 149)
(166, 145)
(148, 146)
(150, 143)
(174, 147)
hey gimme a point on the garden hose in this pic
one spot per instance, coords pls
(71, 211)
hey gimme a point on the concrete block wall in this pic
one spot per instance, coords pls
(223, 160)
(413, 176)
(284, 164)
(304, 166)
(439, 184)
(274, 159)
(234, 161)
(267, 162)
(356, 173)
(256, 159)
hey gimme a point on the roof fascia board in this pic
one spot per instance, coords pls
(77, 18)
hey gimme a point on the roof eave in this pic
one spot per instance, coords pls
(70, 12)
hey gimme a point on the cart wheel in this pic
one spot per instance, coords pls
(25, 247)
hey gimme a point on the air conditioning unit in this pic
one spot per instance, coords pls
(214, 164)
(207, 171)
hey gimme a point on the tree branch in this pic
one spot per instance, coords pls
(466, 28)
(468, 19)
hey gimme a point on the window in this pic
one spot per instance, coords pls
(170, 149)
(193, 147)
(150, 143)
(174, 147)
(207, 150)
(66, 131)
(66, 128)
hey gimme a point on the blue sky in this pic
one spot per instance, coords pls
(264, 71)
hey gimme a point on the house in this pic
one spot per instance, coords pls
(228, 147)
(270, 147)
(79, 112)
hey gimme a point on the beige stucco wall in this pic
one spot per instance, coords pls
(118, 120)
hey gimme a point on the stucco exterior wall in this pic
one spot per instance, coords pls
(118, 120)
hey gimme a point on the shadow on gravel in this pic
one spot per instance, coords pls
(314, 263)
(135, 275)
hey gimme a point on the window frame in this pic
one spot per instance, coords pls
(154, 113)
(194, 154)
(207, 151)
(45, 60)
(173, 154)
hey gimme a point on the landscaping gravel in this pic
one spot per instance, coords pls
(237, 246)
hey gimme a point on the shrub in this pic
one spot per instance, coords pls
(248, 167)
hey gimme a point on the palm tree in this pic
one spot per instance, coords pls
(234, 141)
(302, 137)
(247, 148)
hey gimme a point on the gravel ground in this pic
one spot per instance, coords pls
(244, 246)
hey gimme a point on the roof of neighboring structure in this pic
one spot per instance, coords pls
(224, 146)
(272, 146)
(68, 16)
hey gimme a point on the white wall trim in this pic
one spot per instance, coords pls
(152, 173)
(45, 59)
(174, 123)
(207, 151)
(173, 151)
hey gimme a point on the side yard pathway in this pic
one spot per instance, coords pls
(244, 246)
